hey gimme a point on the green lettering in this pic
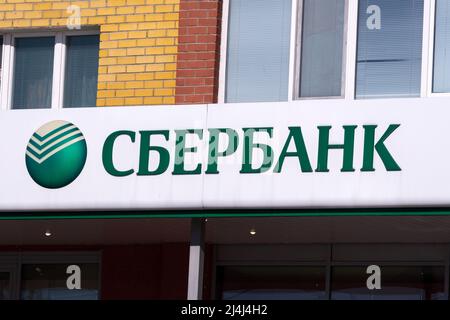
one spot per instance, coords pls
(249, 146)
(214, 154)
(379, 147)
(107, 153)
(146, 148)
(325, 146)
(181, 150)
(295, 133)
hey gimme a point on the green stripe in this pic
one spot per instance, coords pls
(54, 147)
(42, 138)
(220, 214)
(53, 139)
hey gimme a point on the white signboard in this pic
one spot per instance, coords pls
(305, 154)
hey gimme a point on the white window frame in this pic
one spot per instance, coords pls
(351, 48)
(59, 64)
(431, 44)
(223, 51)
(427, 48)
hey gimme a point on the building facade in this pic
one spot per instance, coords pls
(224, 149)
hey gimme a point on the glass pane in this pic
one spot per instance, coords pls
(441, 77)
(322, 48)
(80, 87)
(271, 283)
(49, 282)
(258, 50)
(397, 283)
(389, 48)
(5, 289)
(33, 73)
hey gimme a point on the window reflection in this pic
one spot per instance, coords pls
(389, 57)
(48, 282)
(271, 283)
(397, 283)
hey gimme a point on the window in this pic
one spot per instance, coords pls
(398, 283)
(260, 45)
(258, 50)
(441, 76)
(322, 48)
(389, 56)
(50, 71)
(50, 275)
(33, 73)
(80, 87)
(334, 48)
(271, 283)
(48, 282)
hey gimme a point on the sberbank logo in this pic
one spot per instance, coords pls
(56, 154)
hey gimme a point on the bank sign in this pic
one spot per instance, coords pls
(301, 155)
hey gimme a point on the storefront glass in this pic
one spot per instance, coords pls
(397, 283)
(49, 282)
(272, 283)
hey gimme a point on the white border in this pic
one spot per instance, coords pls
(6, 62)
(292, 83)
(428, 32)
(351, 50)
(58, 71)
(223, 51)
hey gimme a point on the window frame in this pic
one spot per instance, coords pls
(427, 50)
(298, 53)
(12, 262)
(59, 64)
(431, 51)
(294, 51)
(349, 52)
(224, 48)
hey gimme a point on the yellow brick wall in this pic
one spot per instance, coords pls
(138, 43)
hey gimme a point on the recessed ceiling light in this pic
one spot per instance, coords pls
(252, 231)
(47, 233)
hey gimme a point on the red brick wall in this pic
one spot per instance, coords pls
(198, 51)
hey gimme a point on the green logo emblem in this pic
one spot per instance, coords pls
(56, 154)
